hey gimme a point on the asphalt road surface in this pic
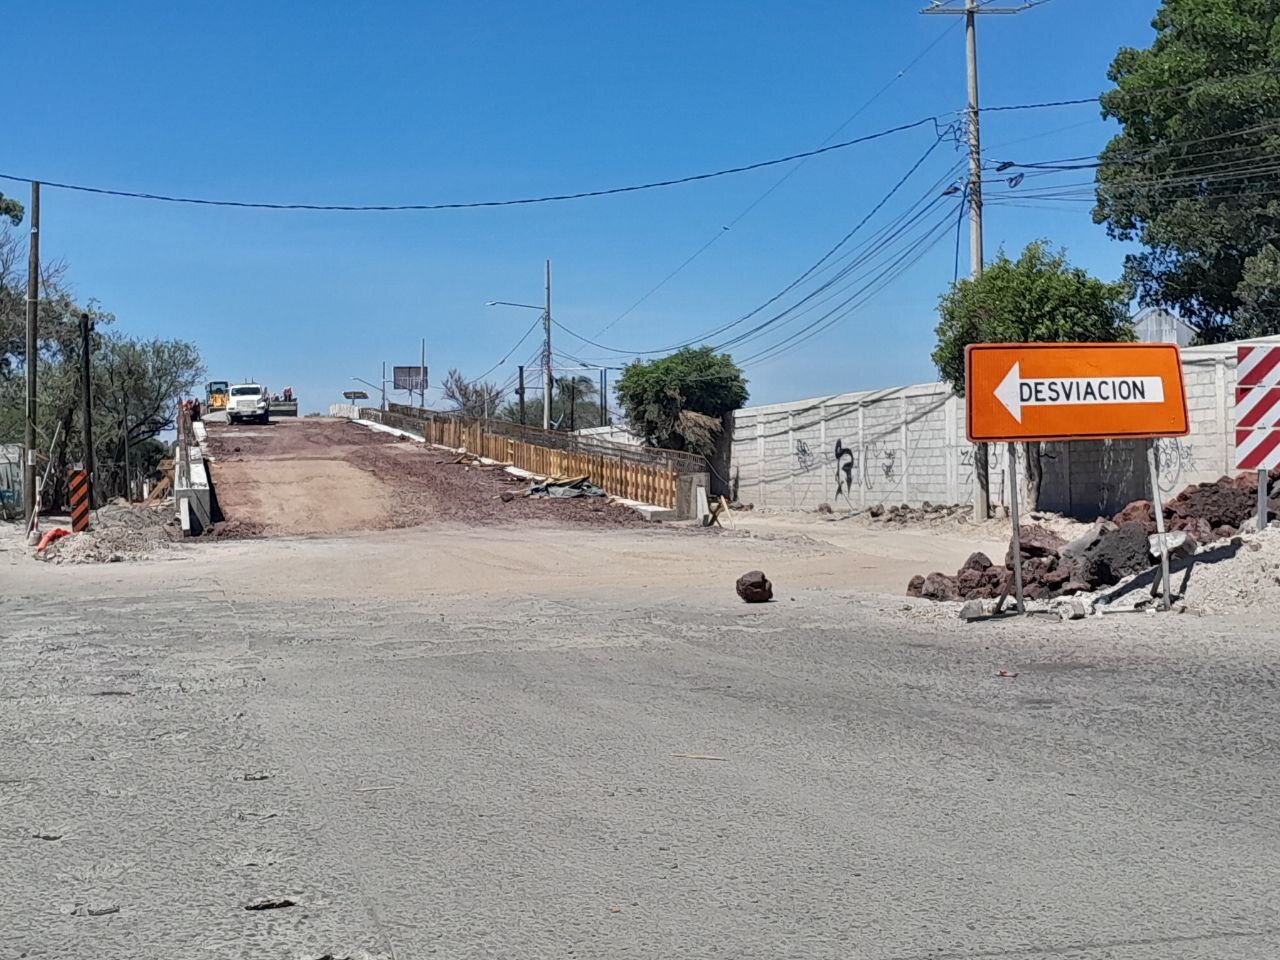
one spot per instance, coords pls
(634, 770)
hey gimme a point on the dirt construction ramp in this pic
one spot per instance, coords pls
(318, 475)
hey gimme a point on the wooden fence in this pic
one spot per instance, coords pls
(621, 472)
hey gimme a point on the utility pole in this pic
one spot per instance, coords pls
(604, 402)
(128, 478)
(86, 396)
(384, 385)
(520, 393)
(422, 373)
(970, 10)
(546, 356)
(33, 356)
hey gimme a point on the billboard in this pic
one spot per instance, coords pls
(409, 378)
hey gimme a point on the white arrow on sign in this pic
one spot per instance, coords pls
(1016, 393)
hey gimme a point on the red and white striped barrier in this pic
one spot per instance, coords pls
(1257, 408)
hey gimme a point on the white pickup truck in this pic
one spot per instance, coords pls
(248, 401)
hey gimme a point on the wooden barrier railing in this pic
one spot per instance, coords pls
(616, 474)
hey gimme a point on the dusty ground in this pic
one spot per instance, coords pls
(318, 475)
(544, 742)
(543, 739)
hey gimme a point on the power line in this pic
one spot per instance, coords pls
(533, 326)
(779, 182)
(554, 198)
(791, 286)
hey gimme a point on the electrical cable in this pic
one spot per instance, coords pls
(791, 286)
(553, 198)
(533, 326)
(781, 180)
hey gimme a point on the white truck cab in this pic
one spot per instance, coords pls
(248, 401)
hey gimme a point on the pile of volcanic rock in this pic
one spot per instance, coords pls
(927, 511)
(1051, 566)
(1210, 511)
(1108, 551)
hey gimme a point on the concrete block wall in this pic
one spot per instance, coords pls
(907, 445)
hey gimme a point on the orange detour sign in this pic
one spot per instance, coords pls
(1073, 391)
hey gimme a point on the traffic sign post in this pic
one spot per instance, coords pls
(1034, 392)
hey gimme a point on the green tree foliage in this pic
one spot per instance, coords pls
(1037, 298)
(1192, 174)
(137, 384)
(679, 400)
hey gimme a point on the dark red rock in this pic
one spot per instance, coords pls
(1220, 504)
(938, 586)
(1138, 512)
(1035, 542)
(915, 586)
(977, 561)
(754, 587)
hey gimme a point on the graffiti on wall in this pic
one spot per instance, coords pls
(1174, 456)
(873, 463)
(846, 467)
(804, 457)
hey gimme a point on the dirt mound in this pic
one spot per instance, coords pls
(1249, 580)
(117, 532)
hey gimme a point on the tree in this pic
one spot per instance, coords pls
(571, 408)
(136, 384)
(570, 390)
(1036, 298)
(1191, 176)
(478, 399)
(679, 401)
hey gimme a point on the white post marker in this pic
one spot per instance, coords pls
(1157, 507)
(1015, 393)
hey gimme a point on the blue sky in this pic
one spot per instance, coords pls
(452, 101)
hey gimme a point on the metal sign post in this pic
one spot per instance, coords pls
(1262, 500)
(1157, 507)
(1017, 527)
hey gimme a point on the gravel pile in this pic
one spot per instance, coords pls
(1249, 580)
(117, 532)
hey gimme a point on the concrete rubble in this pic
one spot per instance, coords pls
(117, 531)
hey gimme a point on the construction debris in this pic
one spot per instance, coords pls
(563, 488)
(118, 531)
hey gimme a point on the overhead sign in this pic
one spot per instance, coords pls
(1257, 408)
(409, 378)
(1073, 391)
(354, 395)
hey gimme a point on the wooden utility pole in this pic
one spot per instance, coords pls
(520, 393)
(86, 397)
(970, 10)
(128, 477)
(546, 356)
(32, 357)
(604, 402)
